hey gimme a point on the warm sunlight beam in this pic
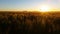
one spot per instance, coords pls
(44, 8)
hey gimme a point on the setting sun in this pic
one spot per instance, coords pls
(44, 8)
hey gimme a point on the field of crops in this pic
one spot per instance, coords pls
(29, 23)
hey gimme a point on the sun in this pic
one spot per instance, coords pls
(44, 8)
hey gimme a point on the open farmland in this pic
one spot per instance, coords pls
(29, 23)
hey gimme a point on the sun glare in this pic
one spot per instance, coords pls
(44, 8)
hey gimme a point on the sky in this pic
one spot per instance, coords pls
(18, 5)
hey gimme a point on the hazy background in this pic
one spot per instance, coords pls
(16, 5)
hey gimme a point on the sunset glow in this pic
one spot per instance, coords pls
(44, 8)
(30, 5)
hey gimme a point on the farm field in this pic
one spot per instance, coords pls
(29, 22)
